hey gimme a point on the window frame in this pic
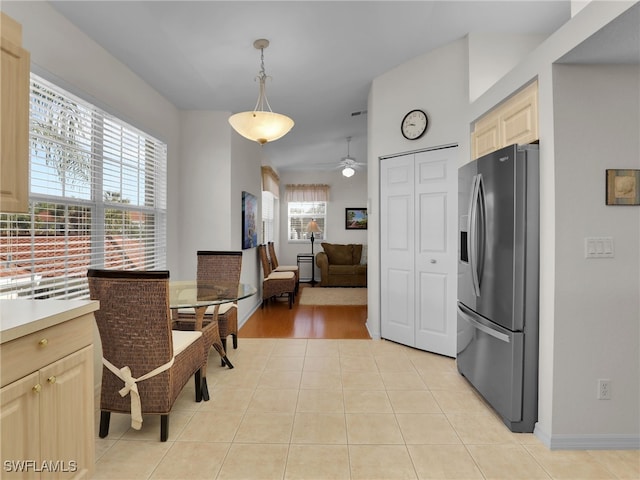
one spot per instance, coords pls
(138, 210)
(321, 219)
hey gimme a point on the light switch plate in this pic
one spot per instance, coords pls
(598, 247)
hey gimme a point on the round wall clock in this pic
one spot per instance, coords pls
(414, 124)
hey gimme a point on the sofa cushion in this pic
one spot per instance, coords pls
(348, 270)
(338, 254)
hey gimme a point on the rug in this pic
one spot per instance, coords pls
(333, 296)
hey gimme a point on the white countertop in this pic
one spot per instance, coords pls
(22, 317)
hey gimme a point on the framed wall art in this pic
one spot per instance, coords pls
(355, 218)
(623, 187)
(249, 221)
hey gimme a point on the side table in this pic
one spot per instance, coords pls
(307, 258)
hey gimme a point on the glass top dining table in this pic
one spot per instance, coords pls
(199, 295)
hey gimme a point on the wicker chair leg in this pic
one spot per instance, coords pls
(164, 427)
(224, 345)
(105, 418)
(234, 337)
(290, 300)
(201, 387)
(205, 389)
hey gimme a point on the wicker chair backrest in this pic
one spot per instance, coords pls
(134, 318)
(265, 260)
(272, 255)
(216, 266)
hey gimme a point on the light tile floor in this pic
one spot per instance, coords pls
(339, 409)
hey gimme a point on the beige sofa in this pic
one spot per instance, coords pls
(341, 265)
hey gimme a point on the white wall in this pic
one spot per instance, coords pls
(432, 82)
(597, 315)
(436, 82)
(343, 193)
(216, 165)
(492, 55)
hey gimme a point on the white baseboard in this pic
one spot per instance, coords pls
(242, 321)
(588, 441)
(374, 336)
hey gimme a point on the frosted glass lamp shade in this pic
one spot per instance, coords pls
(261, 126)
(348, 172)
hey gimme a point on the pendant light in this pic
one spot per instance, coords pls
(348, 162)
(261, 125)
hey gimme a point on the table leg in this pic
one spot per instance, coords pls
(217, 341)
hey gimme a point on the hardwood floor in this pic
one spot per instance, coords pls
(275, 320)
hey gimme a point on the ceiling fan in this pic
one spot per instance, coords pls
(348, 164)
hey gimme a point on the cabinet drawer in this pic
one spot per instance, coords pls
(27, 354)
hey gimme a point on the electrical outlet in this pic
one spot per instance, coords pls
(604, 389)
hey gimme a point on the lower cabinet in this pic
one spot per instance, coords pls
(47, 416)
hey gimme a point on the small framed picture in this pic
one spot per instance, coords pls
(623, 187)
(355, 218)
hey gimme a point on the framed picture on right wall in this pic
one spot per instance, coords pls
(355, 218)
(623, 187)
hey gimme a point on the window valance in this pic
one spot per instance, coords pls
(307, 193)
(270, 181)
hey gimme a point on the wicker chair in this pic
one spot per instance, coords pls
(216, 266)
(140, 352)
(275, 283)
(276, 267)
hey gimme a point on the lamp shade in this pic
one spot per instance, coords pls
(261, 126)
(348, 172)
(312, 227)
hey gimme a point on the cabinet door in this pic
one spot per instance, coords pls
(20, 426)
(14, 130)
(519, 118)
(66, 414)
(486, 135)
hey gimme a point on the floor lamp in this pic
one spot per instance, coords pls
(312, 228)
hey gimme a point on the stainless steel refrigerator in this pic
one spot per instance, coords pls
(498, 281)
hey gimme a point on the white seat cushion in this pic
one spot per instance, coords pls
(280, 275)
(182, 339)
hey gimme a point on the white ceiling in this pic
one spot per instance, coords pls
(322, 58)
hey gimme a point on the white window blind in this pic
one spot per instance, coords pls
(97, 199)
(268, 217)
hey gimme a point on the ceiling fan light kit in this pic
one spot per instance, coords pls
(261, 125)
(347, 163)
(348, 172)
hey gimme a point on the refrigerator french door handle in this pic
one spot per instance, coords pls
(489, 331)
(472, 239)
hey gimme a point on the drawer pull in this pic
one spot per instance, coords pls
(43, 342)
(51, 379)
(36, 388)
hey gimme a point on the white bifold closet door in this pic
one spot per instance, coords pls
(418, 249)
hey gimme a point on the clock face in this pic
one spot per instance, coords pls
(414, 124)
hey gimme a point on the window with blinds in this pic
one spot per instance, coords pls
(268, 217)
(97, 200)
(306, 202)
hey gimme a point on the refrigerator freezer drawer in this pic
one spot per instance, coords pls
(491, 358)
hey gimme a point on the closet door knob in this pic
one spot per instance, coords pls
(433, 260)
